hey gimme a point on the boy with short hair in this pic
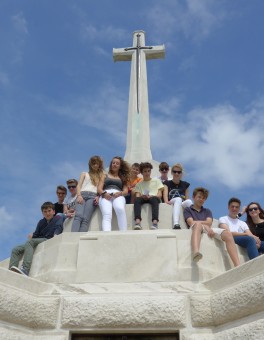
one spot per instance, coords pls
(240, 230)
(61, 193)
(147, 191)
(46, 228)
(70, 201)
(200, 220)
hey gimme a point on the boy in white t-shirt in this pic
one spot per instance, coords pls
(147, 191)
(240, 230)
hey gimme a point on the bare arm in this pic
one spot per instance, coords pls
(101, 185)
(165, 194)
(159, 194)
(187, 195)
(79, 196)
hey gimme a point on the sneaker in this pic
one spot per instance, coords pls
(176, 226)
(19, 270)
(137, 226)
(154, 226)
(197, 257)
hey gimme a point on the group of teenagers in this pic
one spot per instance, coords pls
(124, 184)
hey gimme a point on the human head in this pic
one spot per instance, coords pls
(202, 191)
(72, 182)
(61, 192)
(164, 167)
(177, 167)
(145, 165)
(200, 195)
(72, 186)
(48, 210)
(234, 206)
(135, 168)
(253, 212)
(117, 164)
(145, 169)
(95, 164)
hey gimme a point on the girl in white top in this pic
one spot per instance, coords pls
(87, 198)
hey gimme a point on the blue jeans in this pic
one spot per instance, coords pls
(84, 212)
(250, 243)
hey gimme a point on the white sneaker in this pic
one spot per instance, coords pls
(154, 226)
(18, 270)
(137, 226)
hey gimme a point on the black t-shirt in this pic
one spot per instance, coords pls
(176, 190)
(259, 230)
(58, 208)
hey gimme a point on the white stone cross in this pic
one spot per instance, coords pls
(138, 135)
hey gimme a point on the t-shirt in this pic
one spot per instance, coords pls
(201, 215)
(70, 202)
(149, 187)
(58, 207)
(176, 190)
(259, 230)
(234, 224)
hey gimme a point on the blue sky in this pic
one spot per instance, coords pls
(63, 99)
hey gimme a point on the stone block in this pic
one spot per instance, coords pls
(139, 312)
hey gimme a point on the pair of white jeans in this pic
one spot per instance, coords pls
(106, 207)
(177, 204)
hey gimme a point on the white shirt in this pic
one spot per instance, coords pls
(234, 224)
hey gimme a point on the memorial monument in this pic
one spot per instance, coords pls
(134, 284)
(138, 131)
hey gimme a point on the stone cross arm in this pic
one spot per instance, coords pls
(153, 52)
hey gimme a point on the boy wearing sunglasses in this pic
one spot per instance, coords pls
(240, 230)
(70, 201)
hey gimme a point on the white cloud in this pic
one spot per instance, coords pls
(20, 32)
(103, 33)
(6, 221)
(105, 110)
(193, 19)
(218, 144)
(20, 23)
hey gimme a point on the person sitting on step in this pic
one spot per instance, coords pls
(176, 193)
(147, 191)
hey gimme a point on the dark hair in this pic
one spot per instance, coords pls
(124, 170)
(72, 180)
(164, 165)
(47, 205)
(136, 165)
(204, 192)
(145, 165)
(234, 199)
(62, 188)
(249, 220)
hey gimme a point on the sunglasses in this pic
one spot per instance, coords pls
(71, 187)
(164, 169)
(253, 209)
(177, 171)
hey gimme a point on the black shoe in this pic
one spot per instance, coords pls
(176, 226)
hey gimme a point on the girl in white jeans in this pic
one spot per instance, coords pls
(112, 188)
(176, 193)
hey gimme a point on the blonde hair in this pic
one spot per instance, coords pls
(96, 175)
(177, 165)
